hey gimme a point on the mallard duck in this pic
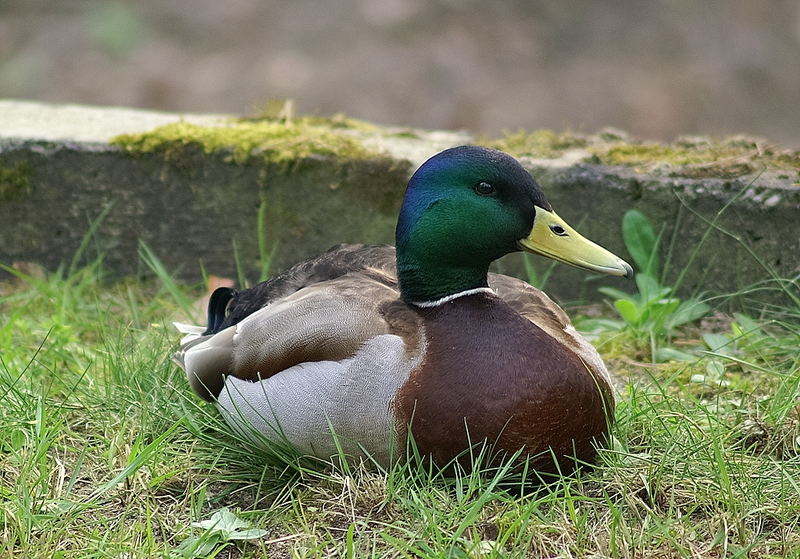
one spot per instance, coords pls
(372, 343)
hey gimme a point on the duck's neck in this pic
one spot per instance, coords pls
(429, 280)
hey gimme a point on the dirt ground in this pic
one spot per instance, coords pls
(657, 69)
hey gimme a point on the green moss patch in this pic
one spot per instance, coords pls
(693, 157)
(15, 180)
(729, 157)
(539, 143)
(269, 141)
(642, 154)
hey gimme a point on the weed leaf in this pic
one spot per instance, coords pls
(664, 354)
(628, 310)
(688, 311)
(614, 293)
(717, 342)
(229, 526)
(649, 288)
(641, 241)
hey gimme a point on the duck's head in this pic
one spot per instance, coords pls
(468, 206)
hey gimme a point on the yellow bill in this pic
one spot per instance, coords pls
(551, 236)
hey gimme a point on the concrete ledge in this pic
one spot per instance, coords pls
(59, 170)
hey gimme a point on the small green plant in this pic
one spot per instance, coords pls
(652, 314)
(222, 528)
(265, 255)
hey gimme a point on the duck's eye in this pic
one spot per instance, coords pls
(484, 188)
(558, 230)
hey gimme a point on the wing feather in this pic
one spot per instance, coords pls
(326, 321)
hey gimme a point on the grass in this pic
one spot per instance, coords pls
(104, 452)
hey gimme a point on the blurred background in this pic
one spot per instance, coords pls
(655, 69)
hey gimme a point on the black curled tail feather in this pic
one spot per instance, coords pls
(217, 305)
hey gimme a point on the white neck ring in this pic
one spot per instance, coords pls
(448, 298)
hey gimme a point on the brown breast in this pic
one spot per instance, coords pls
(494, 371)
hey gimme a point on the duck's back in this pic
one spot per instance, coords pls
(232, 306)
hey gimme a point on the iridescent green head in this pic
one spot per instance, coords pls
(468, 206)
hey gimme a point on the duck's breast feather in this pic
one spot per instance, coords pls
(537, 307)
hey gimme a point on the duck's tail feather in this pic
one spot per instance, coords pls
(190, 331)
(217, 308)
(206, 360)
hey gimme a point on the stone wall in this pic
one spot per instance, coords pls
(195, 201)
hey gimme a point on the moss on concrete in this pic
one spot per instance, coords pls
(261, 140)
(283, 110)
(645, 154)
(15, 180)
(687, 157)
(544, 144)
(701, 157)
(342, 122)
